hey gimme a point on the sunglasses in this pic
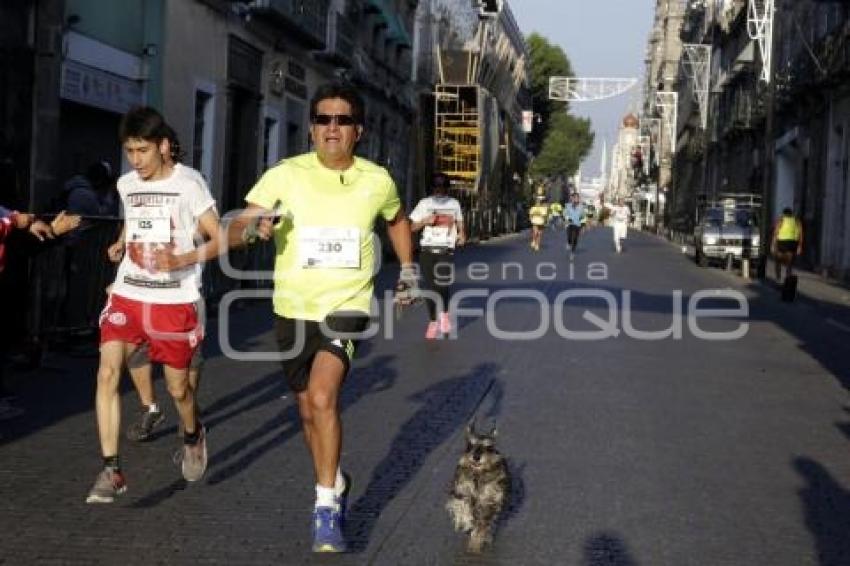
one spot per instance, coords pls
(340, 119)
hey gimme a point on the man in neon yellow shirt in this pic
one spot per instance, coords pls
(327, 202)
(538, 214)
(787, 242)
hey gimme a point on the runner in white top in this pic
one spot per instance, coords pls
(153, 297)
(440, 219)
(161, 216)
(620, 216)
(151, 414)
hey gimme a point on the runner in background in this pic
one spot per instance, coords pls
(440, 220)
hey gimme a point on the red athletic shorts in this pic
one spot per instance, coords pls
(171, 331)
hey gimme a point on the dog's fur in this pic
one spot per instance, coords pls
(480, 489)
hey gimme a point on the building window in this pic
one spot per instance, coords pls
(295, 135)
(202, 139)
(271, 140)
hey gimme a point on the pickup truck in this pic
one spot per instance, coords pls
(726, 232)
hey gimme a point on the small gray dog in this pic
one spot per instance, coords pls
(480, 489)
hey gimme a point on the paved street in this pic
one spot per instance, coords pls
(624, 451)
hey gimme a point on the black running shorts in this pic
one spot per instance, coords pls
(786, 246)
(337, 336)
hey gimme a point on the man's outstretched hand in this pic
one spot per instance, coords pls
(407, 288)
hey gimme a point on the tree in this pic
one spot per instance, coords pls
(547, 61)
(567, 143)
(559, 140)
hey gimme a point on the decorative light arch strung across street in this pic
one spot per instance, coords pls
(760, 28)
(668, 103)
(697, 66)
(579, 89)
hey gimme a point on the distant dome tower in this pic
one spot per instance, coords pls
(631, 121)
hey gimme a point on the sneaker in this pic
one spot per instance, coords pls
(445, 323)
(108, 484)
(142, 429)
(195, 458)
(327, 530)
(432, 331)
(342, 499)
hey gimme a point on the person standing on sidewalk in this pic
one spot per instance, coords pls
(575, 217)
(440, 219)
(154, 294)
(321, 208)
(786, 243)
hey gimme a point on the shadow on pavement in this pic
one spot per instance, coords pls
(240, 454)
(606, 549)
(827, 511)
(65, 385)
(446, 406)
(267, 389)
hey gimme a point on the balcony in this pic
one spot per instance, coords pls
(339, 43)
(305, 20)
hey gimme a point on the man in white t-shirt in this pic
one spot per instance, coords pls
(440, 219)
(154, 294)
(620, 216)
(151, 415)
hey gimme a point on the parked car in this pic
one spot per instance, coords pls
(727, 230)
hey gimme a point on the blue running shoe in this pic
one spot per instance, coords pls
(342, 499)
(327, 530)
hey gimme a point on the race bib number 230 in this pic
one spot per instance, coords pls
(329, 247)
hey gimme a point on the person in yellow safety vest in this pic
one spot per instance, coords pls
(556, 209)
(538, 214)
(787, 242)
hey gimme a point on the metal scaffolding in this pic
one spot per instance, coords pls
(457, 132)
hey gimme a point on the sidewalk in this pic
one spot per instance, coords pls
(811, 286)
(814, 286)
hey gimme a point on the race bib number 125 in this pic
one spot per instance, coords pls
(150, 225)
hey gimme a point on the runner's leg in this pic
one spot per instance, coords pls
(427, 263)
(107, 400)
(177, 381)
(142, 377)
(319, 409)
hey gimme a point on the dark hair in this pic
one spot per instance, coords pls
(787, 211)
(177, 153)
(343, 91)
(439, 180)
(145, 123)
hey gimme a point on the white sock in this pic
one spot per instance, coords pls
(325, 496)
(153, 408)
(339, 483)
